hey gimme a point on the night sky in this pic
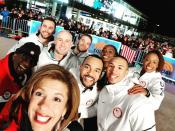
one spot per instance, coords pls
(161, 12)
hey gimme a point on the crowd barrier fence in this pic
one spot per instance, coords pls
(15, 25)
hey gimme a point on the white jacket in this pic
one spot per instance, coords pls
(31, 38)
(118, 111)
(154, 83)
(88, 98)
(46, 58)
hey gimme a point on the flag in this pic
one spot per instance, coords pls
(128, 53)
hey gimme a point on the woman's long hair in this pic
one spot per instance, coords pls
(55, 72)
(161, 60)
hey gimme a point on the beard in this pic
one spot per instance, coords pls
(83, 83)
(45, 37)
(81, 50)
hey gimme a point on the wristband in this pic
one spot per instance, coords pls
(148, 93)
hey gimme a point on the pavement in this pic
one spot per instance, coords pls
(165, 116)
(5, 45)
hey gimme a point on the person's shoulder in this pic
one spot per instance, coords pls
(153, 75)
(84, 54)
(30, 35)
(74, 70)
(157, 78)
(30, 38)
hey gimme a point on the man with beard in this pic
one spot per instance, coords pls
(42, 38)
(79, 52)
(16, 69)
(57, 52)
(87, 77)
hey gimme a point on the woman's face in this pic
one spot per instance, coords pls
(48, 104)
(151, 63)
(108, 53)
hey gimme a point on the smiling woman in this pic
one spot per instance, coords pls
(49, 102)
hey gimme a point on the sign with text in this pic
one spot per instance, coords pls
(99, 42)
(169, 68)
(35, 25)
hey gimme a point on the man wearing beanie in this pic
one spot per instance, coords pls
(16, 69)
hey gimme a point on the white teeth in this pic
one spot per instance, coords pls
(105, 57)
(149, 68)
(113, 76)
(42, 119)
(89, 78)
(62, 48)
(22, 67)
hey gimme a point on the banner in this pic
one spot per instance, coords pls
(169, 68)
(35, 25)
(99, 42)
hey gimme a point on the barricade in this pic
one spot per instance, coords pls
(139, 56)
(15, 25)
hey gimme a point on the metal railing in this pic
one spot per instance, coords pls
(15, 25)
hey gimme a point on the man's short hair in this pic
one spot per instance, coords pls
(93, 55)
(51, 38)
(90, 37)
(50, 19)
(56, 36)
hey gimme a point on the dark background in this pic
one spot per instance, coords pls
(161, 12)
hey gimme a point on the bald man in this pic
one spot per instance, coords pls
(58, 51)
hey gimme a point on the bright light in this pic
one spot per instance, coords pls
(157, 25)
(64, 1)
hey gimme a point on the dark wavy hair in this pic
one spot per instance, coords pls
(161, 60)
(22, 99)
(116, 53)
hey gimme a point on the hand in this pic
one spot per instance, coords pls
(137, 89)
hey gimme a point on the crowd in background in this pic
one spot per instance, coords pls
(54, 102)
(146, 42)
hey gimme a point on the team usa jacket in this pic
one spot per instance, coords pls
(118, 111)
(8, 85)
(88, 97)
(31, 38)
(4, 118)
(154, 83)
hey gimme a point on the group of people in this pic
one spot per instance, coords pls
(146, 43)
(49, 83)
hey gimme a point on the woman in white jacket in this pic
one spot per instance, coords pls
(150, 81)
